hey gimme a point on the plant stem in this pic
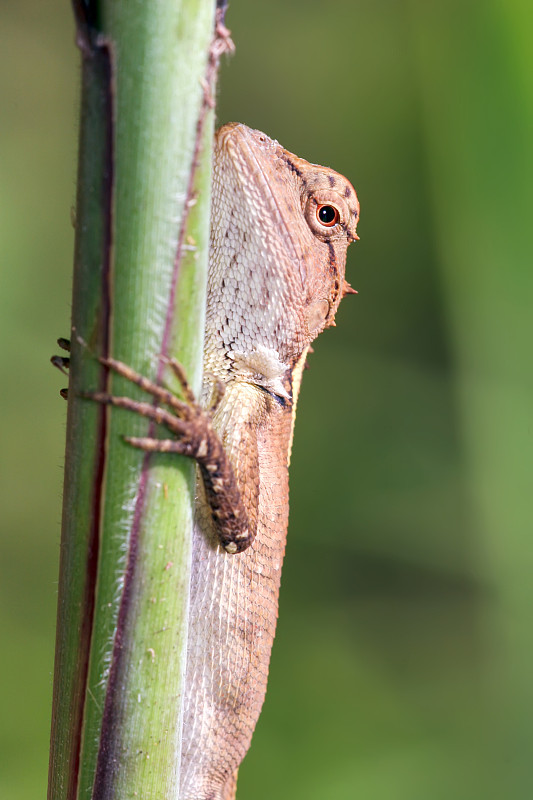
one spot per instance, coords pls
(139, 295)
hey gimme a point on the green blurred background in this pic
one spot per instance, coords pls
(402, 667)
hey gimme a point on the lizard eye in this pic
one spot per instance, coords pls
(325, 212)
(327, 215)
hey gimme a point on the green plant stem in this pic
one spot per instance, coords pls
(138, 295)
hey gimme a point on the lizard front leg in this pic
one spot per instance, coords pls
(235, 525)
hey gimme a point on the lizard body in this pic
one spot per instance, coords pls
(272, 286)
(279, 232)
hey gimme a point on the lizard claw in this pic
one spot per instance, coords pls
(61, 363)
(195, 438)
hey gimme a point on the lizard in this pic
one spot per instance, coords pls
(280, 228)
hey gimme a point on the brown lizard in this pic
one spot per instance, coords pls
(280, 227)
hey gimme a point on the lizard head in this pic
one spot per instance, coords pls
(331, 210)
(280, 230)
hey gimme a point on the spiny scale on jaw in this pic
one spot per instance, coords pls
(347, 289)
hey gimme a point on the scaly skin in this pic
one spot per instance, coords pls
(274, 283)
(276, 278)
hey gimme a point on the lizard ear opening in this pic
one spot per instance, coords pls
(317, 313)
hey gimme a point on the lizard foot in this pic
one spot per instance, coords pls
(186, 419)
(195, 438)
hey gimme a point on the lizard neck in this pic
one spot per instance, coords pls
(297, 374)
